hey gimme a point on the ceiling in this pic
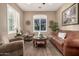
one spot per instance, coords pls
(39, 6)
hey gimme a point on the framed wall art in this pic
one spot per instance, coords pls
(70, 15)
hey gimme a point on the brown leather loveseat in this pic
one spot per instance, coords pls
(68, 46)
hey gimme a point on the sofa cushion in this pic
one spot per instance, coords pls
(73, 42)
(0, 43)
(58, 42)
(62, 35)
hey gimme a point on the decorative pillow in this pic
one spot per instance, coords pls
(62, 35)
(5, 40)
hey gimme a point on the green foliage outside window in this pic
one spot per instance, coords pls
(11, 23)
(40, 24)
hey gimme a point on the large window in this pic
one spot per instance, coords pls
(13, 19)
(40, 23)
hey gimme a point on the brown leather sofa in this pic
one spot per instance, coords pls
(14, 48)
(68, 46)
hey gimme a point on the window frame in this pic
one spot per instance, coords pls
(16, 19)
(39, 17)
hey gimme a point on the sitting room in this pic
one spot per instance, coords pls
(39, 29)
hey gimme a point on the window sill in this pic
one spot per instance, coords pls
(12, 32)
(40, 31)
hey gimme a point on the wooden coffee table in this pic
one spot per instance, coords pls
(40, 41)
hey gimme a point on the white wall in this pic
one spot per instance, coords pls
(3, 21)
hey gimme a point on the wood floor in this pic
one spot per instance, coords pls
(50, 50)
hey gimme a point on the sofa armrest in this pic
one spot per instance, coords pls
(12, 46)
(16, 39)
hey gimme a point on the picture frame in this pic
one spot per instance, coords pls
(70, 15)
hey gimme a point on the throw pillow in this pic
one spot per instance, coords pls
(62, 35)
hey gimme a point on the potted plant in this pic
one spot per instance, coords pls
(53, 26)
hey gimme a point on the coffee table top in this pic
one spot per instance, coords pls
(38, 38)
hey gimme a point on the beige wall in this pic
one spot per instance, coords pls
(29, 16)
(59, 17)
(3, 20)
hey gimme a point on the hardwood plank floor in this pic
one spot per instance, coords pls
(50, 50)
